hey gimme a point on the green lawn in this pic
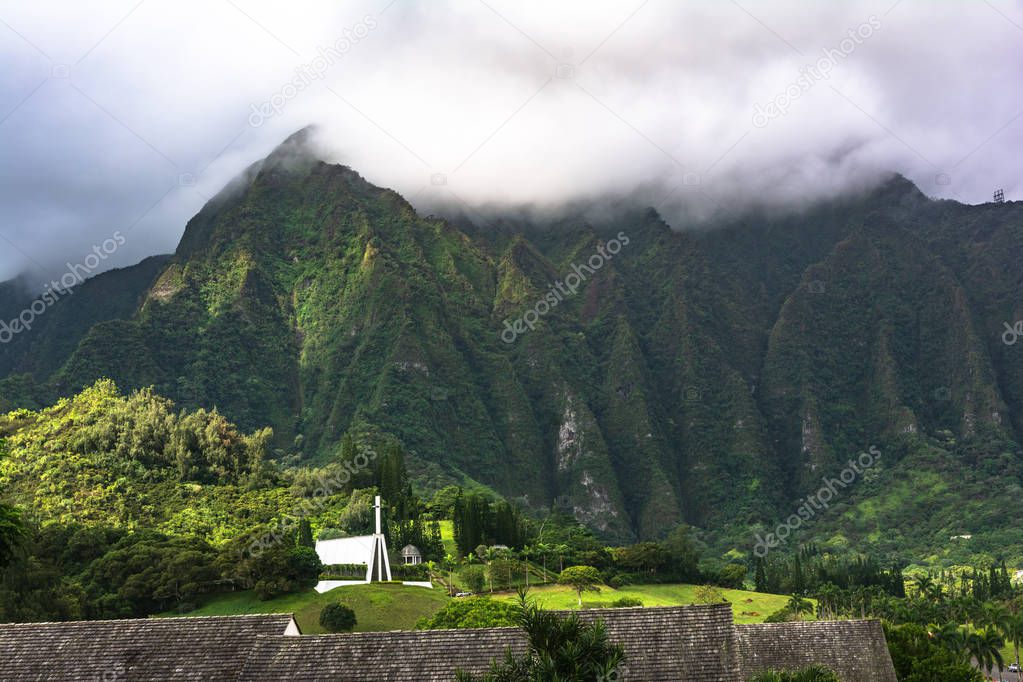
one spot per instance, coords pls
(397, 607)
(377, 606)
(747, 607)
(447, 536)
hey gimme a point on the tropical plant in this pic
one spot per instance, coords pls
(1012, 630)
(563, 649)
(797, 606)
(985, 646)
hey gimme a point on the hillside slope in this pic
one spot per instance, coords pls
(710, 376)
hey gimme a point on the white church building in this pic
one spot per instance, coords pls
(370, 550)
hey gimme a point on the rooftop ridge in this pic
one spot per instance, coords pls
(154, 619)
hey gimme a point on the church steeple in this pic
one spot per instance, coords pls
(379, 559)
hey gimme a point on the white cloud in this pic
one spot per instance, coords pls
(656, 94)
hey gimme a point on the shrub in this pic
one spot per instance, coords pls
(474, 578)
(474, 612)
(708, 594)
(343, 571)
(619, 580)
(625, 602)
(337, 617)
(732, 575)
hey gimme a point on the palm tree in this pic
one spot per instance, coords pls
(526, 551)
(542, 550)
(798, 606)
(985, 646)
(949, 636)
(827, 602)
(1012, 630)
(561, 551)
(924, 583)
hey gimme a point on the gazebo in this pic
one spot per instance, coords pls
(411, 556)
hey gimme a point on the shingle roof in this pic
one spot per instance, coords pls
(693, 643)
(425, 656)
(166, 649)
(672, 643)
(855, 649)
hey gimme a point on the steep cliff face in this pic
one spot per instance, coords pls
(633, 375)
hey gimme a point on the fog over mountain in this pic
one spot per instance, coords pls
(127, 116)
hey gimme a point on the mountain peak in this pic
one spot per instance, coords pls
(297, 152)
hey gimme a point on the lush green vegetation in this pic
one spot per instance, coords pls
(707, 378)
(133, 508)
(471, 612)
(560, 648)
(747, 607)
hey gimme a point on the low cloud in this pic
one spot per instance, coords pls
(128, 116)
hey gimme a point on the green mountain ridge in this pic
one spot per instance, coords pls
(711, 377)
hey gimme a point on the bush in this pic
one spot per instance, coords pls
(619, 580)
(474, 612)
(343, 571)
(474, 578)
(782, 615)
(732, 575)
(625, 602)
(708, 594)
(410, 572)
(337, 618)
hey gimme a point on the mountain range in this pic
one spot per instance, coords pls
(633, 373)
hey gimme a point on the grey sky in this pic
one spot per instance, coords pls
(126, 116)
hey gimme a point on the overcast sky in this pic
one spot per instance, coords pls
(127, 116)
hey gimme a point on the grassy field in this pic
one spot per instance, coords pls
(747, 607)
(397, 607)
(377, 606)
(447, 536)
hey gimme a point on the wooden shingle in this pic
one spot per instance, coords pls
(674, 643)
(855, 649)
(166, 649)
